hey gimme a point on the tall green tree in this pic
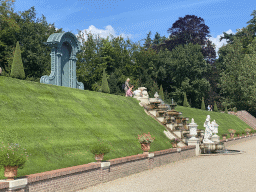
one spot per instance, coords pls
(104, 85)
(17, 65)
(186, 70)
(191, 29)
(8, 38)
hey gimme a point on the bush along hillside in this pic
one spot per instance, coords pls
(225, 121)
(57, 125)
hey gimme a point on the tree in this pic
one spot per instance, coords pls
(215, 107)
(161, 93)
(17, 65)
(104, 85)
(8, 38)
(202, 104)
(148, 41)
(185, 72)
(191, 29)
(185, 102)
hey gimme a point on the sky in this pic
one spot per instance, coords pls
(134, 19)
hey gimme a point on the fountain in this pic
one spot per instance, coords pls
(211, 143)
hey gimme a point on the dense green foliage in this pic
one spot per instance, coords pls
(17, 70)
(99, 148)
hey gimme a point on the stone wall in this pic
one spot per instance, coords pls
(83, 176)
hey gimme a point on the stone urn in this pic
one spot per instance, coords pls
(99, 157)
(10, 172)
(174, 145)
(145, 147)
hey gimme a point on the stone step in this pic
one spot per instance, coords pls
(152, 112)
(161, 119)
(169, 135)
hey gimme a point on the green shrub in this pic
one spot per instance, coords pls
(161, 93)
(215, 107)
(226, 109)
(104, 85)
(235, 109)
(185, 102)
(12, 155)
(100, 148)
(202, 104)
(17, 70)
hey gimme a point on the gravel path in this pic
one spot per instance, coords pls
(231, 173)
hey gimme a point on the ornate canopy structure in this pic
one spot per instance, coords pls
(64, 47)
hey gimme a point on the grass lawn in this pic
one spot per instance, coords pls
(56, 125)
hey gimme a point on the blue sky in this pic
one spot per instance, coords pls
(135, 18)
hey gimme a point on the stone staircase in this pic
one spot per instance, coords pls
(247, 118)
(171, 134)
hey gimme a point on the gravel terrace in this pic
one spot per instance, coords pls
(231, 173)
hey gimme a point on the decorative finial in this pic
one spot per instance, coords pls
(192, 120)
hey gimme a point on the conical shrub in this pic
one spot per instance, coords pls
(215, 107)
(185, 101)
(161, 93)
(226, 109)
(104, 85)
(17, 70)
(202, 104)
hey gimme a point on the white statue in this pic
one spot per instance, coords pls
(208, 130)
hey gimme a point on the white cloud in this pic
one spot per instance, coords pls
(103, 33)
(217, 42)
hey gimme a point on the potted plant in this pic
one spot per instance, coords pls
(145, 140)
(232, 132)
(238, 133)
(247, 130)
(99, 150)
(253, 131)
(174, 142)
(12, 157)
(243, 132)
(224, 136)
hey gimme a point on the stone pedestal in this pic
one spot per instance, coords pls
(195, 142)
(215, 138)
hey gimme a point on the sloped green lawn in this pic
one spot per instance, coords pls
(56, 125)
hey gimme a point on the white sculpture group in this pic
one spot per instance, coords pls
(210, 128)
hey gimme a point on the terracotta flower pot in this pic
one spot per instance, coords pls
(224, 137)
(232, 135)
(99, 157)
(174, 145)
(145, 147)
(10, 172)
